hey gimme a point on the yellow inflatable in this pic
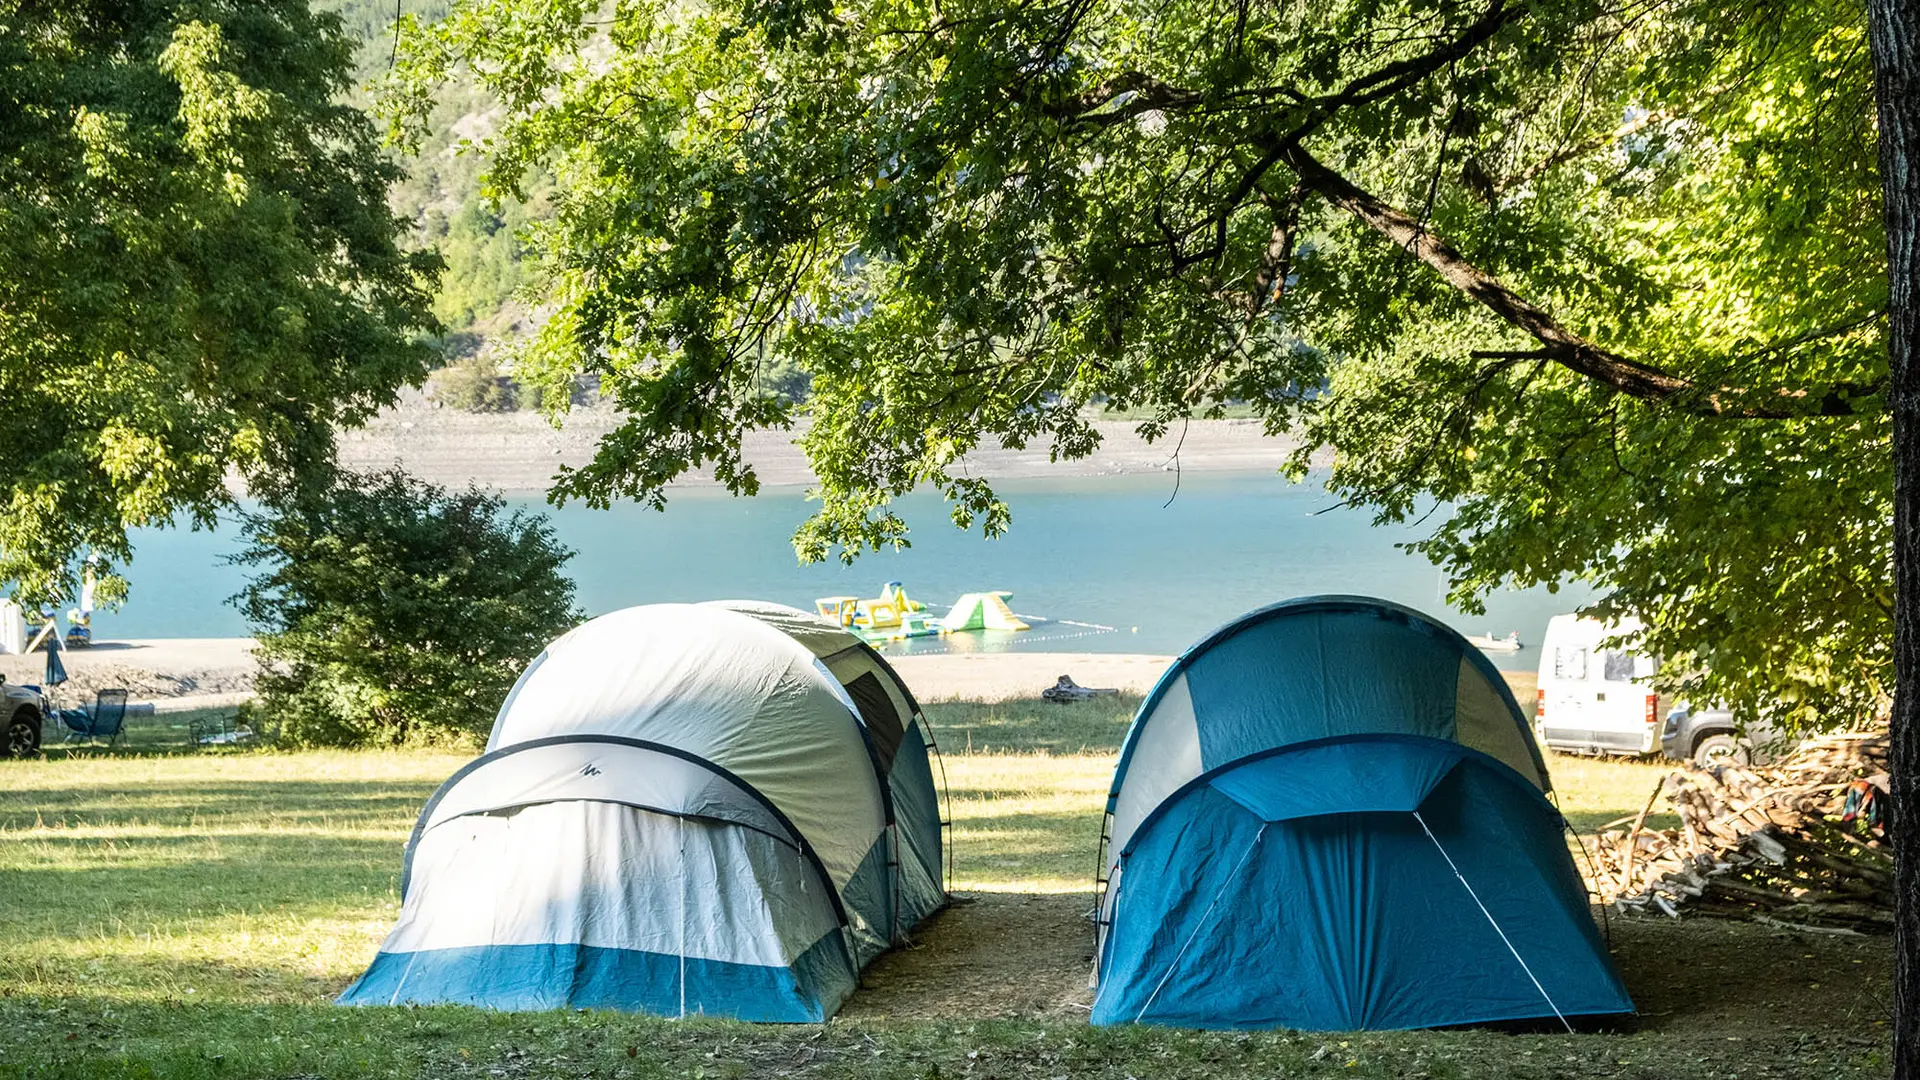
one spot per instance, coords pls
(888, 617)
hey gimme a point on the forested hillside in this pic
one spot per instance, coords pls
(442, 191)
(477, 301)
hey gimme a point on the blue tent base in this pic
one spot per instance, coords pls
(1239, 910)
(525, 978)
(1579, 1023)
(1621, 1023)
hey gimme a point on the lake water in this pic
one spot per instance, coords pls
(1107, 561)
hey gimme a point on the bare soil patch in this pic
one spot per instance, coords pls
(1027, 956)
(991, 955)
(1728, 980)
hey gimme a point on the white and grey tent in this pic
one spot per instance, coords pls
(684, 809)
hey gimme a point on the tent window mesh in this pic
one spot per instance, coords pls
(884, 724)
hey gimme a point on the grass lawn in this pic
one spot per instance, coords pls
(192, 915)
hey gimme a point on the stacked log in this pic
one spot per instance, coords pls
(1801, 841)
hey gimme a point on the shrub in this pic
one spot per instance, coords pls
(475, 384)
(391, 611)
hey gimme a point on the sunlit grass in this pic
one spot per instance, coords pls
(192, 915)
(1592, 791)
(243, 877)
(271, 877)
(1027, 822)
(1086, 727)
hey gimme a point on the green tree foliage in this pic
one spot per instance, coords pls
(1604, 284)
(198, 268)
(443, 194)
(455, 215)
(370, 22)
(483, 261)
(390, 611)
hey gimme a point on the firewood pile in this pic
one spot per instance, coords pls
(1801, 841)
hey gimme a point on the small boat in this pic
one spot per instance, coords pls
(1489, 643)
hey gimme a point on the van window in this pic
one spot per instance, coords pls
(1619, 666)
(1570, 663)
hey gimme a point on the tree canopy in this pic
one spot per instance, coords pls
(200, 272)
(1597, 290)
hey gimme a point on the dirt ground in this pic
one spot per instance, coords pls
(989, 955)
(1743, 979)
(173, 667)
(152, 668)
(1024, 955)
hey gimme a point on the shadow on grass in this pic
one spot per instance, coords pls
(165, 734)
(1722, 977)
(1015, 847)
(78, 1038)
(1585, 822)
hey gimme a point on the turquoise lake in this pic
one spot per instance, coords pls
(1086, 554)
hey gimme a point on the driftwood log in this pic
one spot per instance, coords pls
(1799, 842)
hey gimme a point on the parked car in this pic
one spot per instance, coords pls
(25, 708)
(1594, 700)
(1712, 736)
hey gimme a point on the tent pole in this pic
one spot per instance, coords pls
(682, 950)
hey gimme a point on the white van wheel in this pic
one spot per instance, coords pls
(1720, 750)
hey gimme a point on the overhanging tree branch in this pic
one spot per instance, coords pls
(1101, 104)
(1137, 93)
(1559, 344)
(1401, 74)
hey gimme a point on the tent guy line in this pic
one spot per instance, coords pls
(1201, 924)
(1491, 921)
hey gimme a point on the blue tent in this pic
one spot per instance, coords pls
(1330, 814)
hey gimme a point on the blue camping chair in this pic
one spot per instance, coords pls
(105, 720)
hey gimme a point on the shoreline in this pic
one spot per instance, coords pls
(519, 453)
(163, 669)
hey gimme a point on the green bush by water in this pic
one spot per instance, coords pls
(390, 611)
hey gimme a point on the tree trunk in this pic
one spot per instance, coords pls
(1894, 28)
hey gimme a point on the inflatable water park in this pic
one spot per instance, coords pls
(895, 616)
(980, 619)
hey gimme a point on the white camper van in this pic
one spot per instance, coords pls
(1595, 700)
